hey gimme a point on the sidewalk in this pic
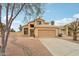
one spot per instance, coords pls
(59, 47)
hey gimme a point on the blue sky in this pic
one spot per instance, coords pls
(61, 13)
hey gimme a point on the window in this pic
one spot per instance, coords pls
(31, 25)
(25, 30)
(39, 23)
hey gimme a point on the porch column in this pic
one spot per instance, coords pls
(28, 31)
(36, 32)
(57, 32)
(66, 31)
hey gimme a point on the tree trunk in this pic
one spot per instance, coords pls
(4, 44)
(75, 36)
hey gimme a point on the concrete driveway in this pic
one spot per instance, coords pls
(59, 47)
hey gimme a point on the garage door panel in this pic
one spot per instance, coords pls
(46, 33)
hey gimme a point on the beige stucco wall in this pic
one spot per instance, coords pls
(57, 31)
(36, 32)
(43, 22)
(46, 23)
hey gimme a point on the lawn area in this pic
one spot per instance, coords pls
(25, 46)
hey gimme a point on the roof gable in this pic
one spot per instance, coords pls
(39, 19)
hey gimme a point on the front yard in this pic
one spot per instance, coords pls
(25, 46)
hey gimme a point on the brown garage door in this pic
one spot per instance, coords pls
(46, 33)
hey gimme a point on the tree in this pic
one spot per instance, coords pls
(1, 24)
(20, 28)
(74, 27)
(14, 10)
(52, 22)
(12, 30)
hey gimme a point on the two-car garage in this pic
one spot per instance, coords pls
(46, 32)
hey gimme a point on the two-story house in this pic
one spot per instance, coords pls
(40, 28)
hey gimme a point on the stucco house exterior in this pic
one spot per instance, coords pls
(40, 28)
(65, 30)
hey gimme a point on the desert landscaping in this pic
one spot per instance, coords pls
(19, 45)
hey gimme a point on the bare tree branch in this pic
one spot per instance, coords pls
(16, 14)
(7, 9)
(18, 11)
(11, 13)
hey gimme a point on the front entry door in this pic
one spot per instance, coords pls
(32, 32)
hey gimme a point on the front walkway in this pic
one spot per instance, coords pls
(59, 47)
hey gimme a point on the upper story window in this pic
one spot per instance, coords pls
(31, 25)
(39, 22)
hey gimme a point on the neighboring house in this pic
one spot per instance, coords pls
(62, 30)
(40, 28)
(66, 30)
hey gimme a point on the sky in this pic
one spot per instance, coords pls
(61, 13)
